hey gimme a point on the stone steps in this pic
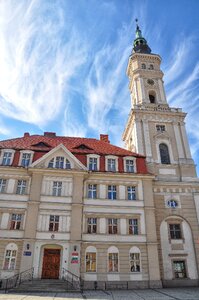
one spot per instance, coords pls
(44, 285)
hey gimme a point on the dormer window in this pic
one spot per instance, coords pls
(59, 162)
(93, 162)
(111, 165)
(7, 159)
(25, 159)
(129, 164)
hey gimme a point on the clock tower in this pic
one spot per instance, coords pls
(155, 129)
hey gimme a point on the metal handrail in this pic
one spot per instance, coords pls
(15, 280)
(73, 280)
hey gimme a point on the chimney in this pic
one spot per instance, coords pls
(104, 138)
(50, 134)
(26, 134)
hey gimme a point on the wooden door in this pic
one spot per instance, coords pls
(51, 264)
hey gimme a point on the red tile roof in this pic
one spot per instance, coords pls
(30, 142)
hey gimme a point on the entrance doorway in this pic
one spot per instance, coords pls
(51, 264)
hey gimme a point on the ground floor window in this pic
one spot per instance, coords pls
(10, 259)
(179, 269)
(135, 262)
(113, 262)
(90, 262)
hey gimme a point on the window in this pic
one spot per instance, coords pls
(25, 159)
(151, 98)
(143, 66)
(92, 191)
(131, 192)
(111, 165)
(54, 223)
(164, 154)
(151, 67)
(92, 163)
(90, 262)
(7, 158)
(160, 128)
(112, 226)
(2, 185)
(135, 262)
(92, 225)
(21, 187)
(112, 192)
(179, 269)
(59, 162)
(133, 226)
(175, 231)
(130, 166)
(113, 262)
(16, 220)
(57, 188)
(10, 259)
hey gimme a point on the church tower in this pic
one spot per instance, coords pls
(155, 129)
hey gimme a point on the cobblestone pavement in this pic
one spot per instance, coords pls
(150, 294)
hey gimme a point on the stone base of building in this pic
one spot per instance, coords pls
(180, 283)
(121, 285)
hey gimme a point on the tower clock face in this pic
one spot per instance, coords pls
(150, 82)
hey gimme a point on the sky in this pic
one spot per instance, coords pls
(63, 64)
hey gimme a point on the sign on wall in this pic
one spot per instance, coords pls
(75, 258)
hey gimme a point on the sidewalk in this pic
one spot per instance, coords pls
(155, 294)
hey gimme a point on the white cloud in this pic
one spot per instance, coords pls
(35, 63)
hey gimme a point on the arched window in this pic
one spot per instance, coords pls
(91, 259)
(134, 256)
(10, 257)
(113, 259)
(151, 67)
(143, 66)
(152, 97)
(164, 154)
(59, 162)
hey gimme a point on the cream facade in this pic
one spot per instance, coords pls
(98, 211)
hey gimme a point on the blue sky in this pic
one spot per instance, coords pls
(63, 63)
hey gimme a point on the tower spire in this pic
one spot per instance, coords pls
(140, 44)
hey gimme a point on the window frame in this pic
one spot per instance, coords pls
(130, 158)
(131, 195)
(21, 189)
(113, 226)
(133, 226)
(160, 128)
(60, 163)
(12, 247)
(91, 225)
(3, 185)
(91, 261)
(57, 188)
(165, 158)
(29, 152)
(16, 221)
(54, 224)
(91, 193)
(172, 233)
(93, 156)
(107, 165)
(112, 192)
(185, 268)
(12, 152)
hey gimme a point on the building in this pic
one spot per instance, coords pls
(112, 216)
